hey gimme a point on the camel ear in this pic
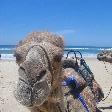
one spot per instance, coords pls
(58, 57)
(62, 42)
(18, 56)
(59, 42)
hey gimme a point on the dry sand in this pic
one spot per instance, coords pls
(9, 76)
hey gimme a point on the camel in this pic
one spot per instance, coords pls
(41, 74)
(39, 59)
(92, 92)
(105, 55)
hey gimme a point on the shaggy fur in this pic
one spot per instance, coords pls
(105, 55)
(39, 86)
(39, 59)
(91, 96)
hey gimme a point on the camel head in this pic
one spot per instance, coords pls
(39, 59)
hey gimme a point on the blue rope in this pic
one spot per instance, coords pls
(81, 99)
(70, 81)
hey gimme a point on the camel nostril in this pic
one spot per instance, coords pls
(41, 75)
(22, 68)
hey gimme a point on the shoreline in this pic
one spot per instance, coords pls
(14, 59)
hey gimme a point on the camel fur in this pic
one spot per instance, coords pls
(41, 73)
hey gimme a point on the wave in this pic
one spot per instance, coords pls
(2, 49)
(105, 49)
(83, 54)
(11, 56)
(7, 51)
(7, 56)
(88, 48)
(76, 48)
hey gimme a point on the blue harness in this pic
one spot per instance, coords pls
(73, 85)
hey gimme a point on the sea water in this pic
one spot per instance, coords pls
(7, 51)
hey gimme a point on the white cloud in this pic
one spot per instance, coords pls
(66, 31)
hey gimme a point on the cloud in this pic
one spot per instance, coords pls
(66, 31)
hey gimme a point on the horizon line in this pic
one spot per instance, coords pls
(65, 45)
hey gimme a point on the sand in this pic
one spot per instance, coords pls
(9, 77)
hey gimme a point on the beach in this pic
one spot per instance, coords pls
(9, 77)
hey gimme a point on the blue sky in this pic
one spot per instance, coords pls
(81, 22)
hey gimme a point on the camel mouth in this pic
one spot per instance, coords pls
(31, 96)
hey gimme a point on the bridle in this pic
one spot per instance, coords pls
(48, 60)
(49, 67)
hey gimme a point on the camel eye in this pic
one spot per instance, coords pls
(41, 75)
(22, 68)
(18, 56)
(58, 58)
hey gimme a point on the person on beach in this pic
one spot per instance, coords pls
(0, 56)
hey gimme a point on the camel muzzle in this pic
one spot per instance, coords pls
(30, 93)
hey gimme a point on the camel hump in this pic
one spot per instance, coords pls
(105, 55)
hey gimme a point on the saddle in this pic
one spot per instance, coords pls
(80, 83)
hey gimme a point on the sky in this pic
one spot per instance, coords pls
(81, 22)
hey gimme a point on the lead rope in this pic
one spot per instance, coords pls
(110, 87)
(70, 81)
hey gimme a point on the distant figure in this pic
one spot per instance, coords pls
(0, 56)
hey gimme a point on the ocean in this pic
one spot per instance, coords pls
(7, 51)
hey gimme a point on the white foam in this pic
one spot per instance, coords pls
(105, 49)
(7, 56)
(77, 48)
(3, 49)
(89, 55)
(83, 54)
